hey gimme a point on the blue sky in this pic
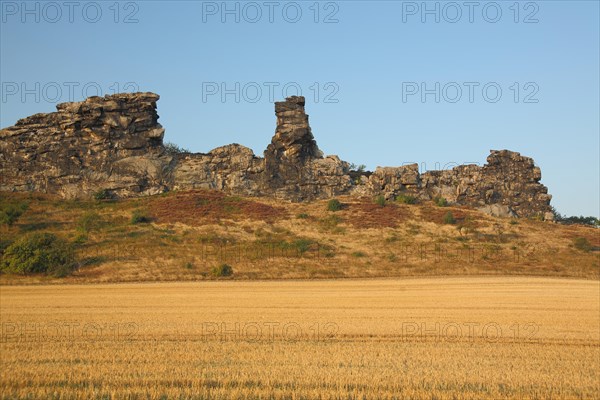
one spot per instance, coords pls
(362, 65)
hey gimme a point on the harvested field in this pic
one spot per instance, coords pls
(444, 338)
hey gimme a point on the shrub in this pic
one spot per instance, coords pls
(222, 270)
(9, 213)
(189, 265)
(358, 254)
(449, 218)
(302, 216)
(330, 221)
(140, 217)
(103, 194)
(380, 201)
(582, 244)
(39, 253)
(590, 221)
(358, 168)
(303, 245)
(4, 244)
(440, 201)
(89, 222)
(334, 205)
(406, 199)
(172, 148)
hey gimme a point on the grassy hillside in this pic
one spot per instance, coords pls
(189, 235)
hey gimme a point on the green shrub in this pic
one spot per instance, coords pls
(103, 194)
(88, 222)
(380, 200)
(302, 216)
(330, 221)
(303, 245)
(406, 199)
(39, 253)
(9, 213)
(582, 244)
(222, 270)
(334, 205)
(449, 218)
(173, 149)
(358, 168)
(440, 201)
(590, 221)
(4, 244)
(140, 217)
(358, 254)
(189, 265)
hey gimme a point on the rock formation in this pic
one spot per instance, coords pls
(114, 144)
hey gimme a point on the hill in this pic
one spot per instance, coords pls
(190, 235)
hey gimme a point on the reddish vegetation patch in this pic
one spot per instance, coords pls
(202, 206)
(369, 215)
(437, 214)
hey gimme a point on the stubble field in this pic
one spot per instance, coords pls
(442, 338)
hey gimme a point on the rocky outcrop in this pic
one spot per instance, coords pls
(508, 179)
(294, 166)
(232, 168)
(114, 144)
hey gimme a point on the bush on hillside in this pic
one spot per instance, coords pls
(39, 252)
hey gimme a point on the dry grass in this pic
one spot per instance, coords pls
(192, 232)
(349, 339)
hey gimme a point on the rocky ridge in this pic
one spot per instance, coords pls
(114, 145)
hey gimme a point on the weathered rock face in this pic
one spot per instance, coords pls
(508, 179)
(293, 141)
(232, 168)
(115, 143)
(294, 166)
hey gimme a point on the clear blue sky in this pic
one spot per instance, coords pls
(370, 56)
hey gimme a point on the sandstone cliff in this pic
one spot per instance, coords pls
(115, 144)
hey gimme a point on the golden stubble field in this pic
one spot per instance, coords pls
(432, 338)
